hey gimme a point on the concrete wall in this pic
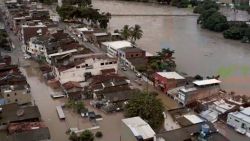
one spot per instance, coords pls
(237, 123)
(126, 133)
(22, 97)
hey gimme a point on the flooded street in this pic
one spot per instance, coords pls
(198, 51)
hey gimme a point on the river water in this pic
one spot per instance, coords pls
(198, 51)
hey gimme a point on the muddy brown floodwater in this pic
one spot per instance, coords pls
(198, 51)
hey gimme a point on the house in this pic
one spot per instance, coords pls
(30, 30)
(167, 80)
(216, 109)
(39, 14)
(15, 78)
(183, 117)
(104, 37)
(203, 131)
(133, 57)
(73, 90)
(19, 94)
(113, 98)
(136, 129)
(12, 113)
(131, 52)
(97, 83)
(54, 45)
(28, 131)
(200, 90)
(81, 67)
(113, 47)
(240, 120)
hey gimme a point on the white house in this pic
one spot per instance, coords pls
(240, 120)
(79, 67)
(136, 129)
(113, 47)
(215, 109)
(36, 46)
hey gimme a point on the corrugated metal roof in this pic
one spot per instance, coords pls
(139, 127)
(206, 82)
(117, 44)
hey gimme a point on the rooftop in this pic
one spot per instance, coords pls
(40, 134)
(117, 44)
(243, 114)
(139, 127)
(186, 90)
(189, 132)
(71, 84)
(13, 113)
(170, 75)
(193, 118)
(206, 82)
(14, 128)
(132, 49)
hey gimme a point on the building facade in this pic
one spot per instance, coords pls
(19, 94)
(240, 121)
(167, 80)
(84, 66)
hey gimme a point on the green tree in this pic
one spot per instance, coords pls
(235, 33)
(73, 137)
(216, 22)
(98, 134)
(206, 5)
(77, 106)
(126, 32)
(148, 107)
(136, 33)
(86, 136)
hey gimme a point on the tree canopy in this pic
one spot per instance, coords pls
(84, 136)
(131, 33)
(148, 107)
(84, 12)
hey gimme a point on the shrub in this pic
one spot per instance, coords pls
(98, 134)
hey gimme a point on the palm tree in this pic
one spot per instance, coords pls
(126, 32)
(136, 33)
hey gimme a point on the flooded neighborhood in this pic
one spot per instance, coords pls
(213, 53)
(143, 71)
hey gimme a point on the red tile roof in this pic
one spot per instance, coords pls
(71, 84)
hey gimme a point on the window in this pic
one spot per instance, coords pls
(137, 55)
(243, 125)
(106, 63)
(77, 67)
(110, 62)
(132, 55)
(115, 62)
(86, 65)
(8, 95)
(102, 64)
(237, 120)
(16, 100)
(15, 93)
